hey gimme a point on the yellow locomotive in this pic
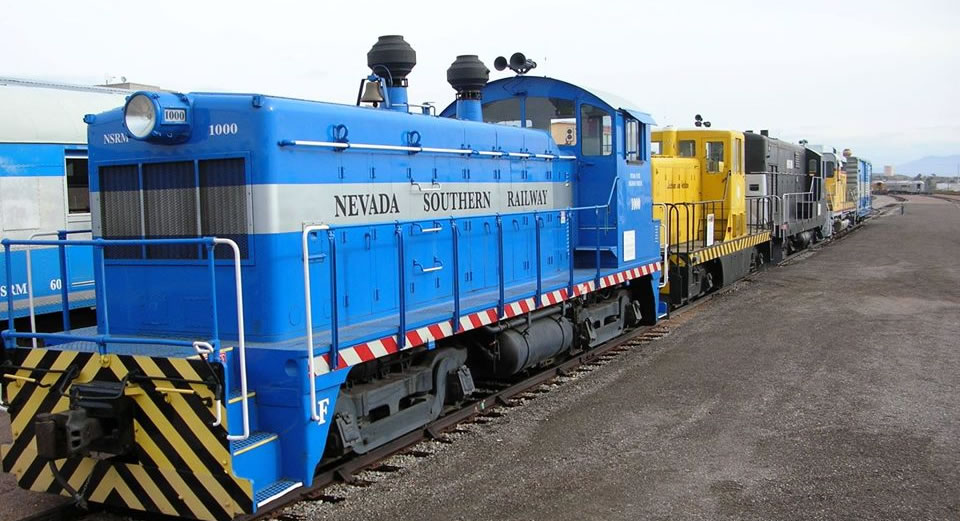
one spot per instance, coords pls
(712, 233)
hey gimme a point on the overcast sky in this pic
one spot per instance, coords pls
(879, 76)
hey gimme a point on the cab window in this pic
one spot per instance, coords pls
(632, 148)
(714, 156)
(687, 148)
(555, 115)
(831, 168)
(656, 148)
(596, 132)
(504, 112)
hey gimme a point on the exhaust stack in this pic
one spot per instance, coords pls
(393, 59)
(468, 75)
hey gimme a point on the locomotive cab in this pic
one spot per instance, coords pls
(610, 141)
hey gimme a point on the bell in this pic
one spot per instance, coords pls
(371, 93)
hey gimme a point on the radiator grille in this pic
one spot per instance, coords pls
(170, 208)
(174, 200)
(223, 202)
(120, 195)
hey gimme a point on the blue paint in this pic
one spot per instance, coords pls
(46, 279)
(469, 109)
(35, 159)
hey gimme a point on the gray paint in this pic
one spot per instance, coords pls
(286, 208)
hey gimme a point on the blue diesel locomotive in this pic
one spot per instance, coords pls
(281, 282)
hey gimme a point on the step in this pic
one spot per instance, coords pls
(275, 490)
(257, 458)
(663, 308)
(256, 440)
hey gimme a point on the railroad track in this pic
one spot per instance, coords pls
(346, 470)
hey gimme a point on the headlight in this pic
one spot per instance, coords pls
(140, 116)
(158, 117)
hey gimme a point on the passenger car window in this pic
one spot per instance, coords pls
(687, 148)
(714, 156)
(555, 115)
(78, 185)
(596, 131)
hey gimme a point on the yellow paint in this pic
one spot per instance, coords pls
(181, 399)
(175, 390)
(236, 399)
(682, 173)
(20, 378)
(837, 191)
(152, 490)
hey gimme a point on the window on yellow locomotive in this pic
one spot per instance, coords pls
(687, 148)
(504, 112)
(831, 168)
(596, 131)
(555, 115)
(737, 157)
(656, 148)
(714, 156)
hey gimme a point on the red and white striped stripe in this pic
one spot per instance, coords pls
(367, 351)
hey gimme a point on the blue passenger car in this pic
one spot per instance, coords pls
(44, 188)
(293, 281)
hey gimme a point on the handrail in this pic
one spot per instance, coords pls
(64, 281)
(343, 145)
(33, 316)
(801, 198)
(666, 247)
(311, 365)
(103, 339)
(241, 340)
(776, 210)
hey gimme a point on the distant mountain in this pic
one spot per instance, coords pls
(940, 165)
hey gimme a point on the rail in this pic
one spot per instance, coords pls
(799, 206)
(400, 231)
(695, 231)
(764, 213)
(11, 335)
